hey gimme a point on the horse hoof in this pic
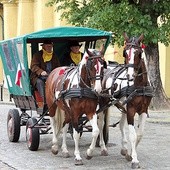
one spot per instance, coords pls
(128, 157)
(66, 155)
(124, 152)
(88, 157)
(135, 165)
(104, 153)
(54, 150)
(78, 162)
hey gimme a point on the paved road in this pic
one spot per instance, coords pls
(153, 151)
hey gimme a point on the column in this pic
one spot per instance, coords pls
(43, 16)
(25, 17)
(10, 18)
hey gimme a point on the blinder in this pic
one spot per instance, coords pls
(91, 61)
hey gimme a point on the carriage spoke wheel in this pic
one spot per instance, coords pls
(32, 135)
(13, 125)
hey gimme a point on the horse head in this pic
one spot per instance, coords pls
(133, 55)
(91, 69)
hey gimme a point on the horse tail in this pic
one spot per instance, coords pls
(59, 119)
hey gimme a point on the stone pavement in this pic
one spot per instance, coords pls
(155, 117)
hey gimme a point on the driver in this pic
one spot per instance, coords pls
(43, 62)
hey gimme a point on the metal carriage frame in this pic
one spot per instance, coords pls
(15, 54)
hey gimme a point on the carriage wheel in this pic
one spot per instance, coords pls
(13, 125)
(105, 130)
(32, 135)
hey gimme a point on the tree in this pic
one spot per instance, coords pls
(133, 17)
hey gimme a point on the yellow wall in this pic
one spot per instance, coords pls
(164, 60)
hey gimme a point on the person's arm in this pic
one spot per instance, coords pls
(35, 65)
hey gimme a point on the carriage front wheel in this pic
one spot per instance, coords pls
(32, 135)
(13, 125)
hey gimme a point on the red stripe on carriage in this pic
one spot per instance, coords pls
(18, 80)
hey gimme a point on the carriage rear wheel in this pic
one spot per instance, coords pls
(13, 125)
(105, 129)
(32, 135)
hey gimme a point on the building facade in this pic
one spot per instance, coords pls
(18, 17)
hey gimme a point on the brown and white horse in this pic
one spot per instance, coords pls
(131, 92)
(72, 92)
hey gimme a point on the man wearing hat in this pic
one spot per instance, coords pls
(74, 56)
(43, 62)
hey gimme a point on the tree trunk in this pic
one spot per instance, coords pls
(160, 100)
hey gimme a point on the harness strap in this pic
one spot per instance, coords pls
(78, 93)
(138, 91)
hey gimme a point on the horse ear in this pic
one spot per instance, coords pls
(125, 36)
(141, 38)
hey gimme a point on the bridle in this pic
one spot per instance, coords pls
(94, 60)
(134, 44)
(97, 60)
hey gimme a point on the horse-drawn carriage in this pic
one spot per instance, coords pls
(74, 91)
(16, 54)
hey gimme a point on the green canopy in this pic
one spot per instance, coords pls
(14, 57)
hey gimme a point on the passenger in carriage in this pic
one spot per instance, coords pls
(74, 56)
(43, 62)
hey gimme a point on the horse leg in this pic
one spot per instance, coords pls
(76, 137)
(124, 142)
(101, 125)
(133, 139)
(54, 148)
(95, 133)
(64, 145)
(141, 125)
(56, 125)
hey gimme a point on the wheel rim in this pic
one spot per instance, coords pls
(29, 136)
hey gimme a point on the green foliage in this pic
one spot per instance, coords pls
(131, 16)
